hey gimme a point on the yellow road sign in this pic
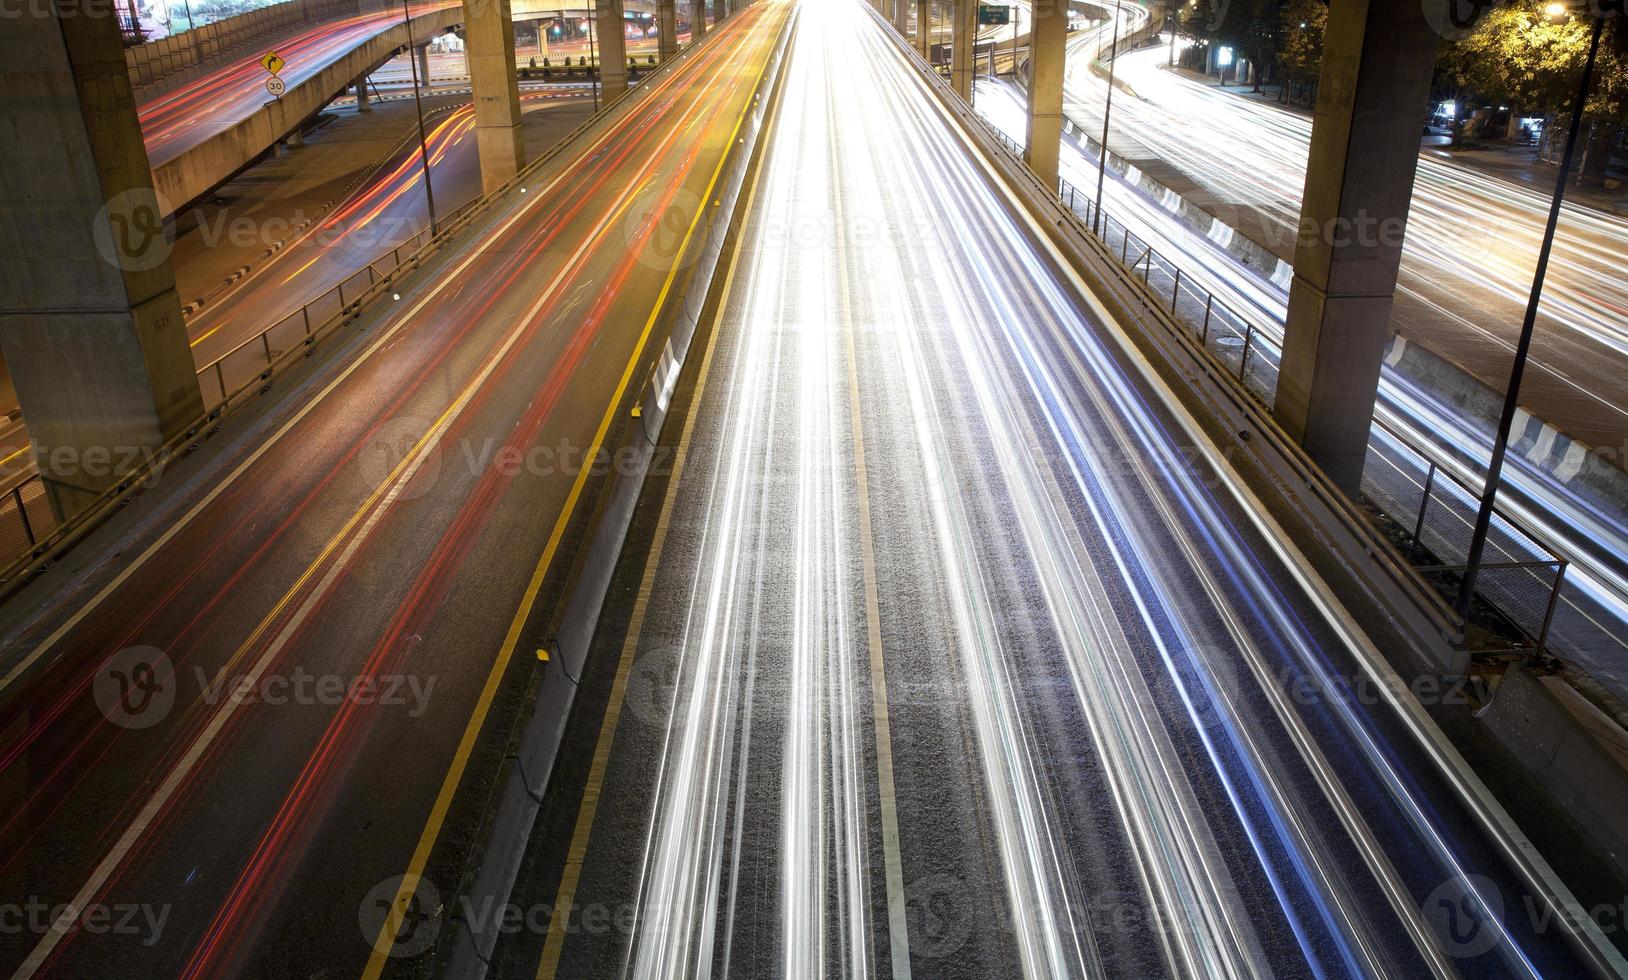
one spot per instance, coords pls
(273, 62)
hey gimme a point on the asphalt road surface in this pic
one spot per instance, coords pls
(959, 654)
(243, 713)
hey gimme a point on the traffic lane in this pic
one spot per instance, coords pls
(717, 139)
(385, 213)
(1214, 595)
(180, 119)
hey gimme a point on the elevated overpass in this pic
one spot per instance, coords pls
(204, 120)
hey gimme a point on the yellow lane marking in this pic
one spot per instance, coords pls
(400, 904)
(565, 899)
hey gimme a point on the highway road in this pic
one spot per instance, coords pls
(190, 113)
(246, 711)
(959, 653)
(1472, 238)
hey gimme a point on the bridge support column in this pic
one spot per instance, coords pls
(363, 102)
(964, 32)
(924, 21)
(666, 29)
(90, 325)
(612, 48)
(1371, 106)
(901, 17)
(422, 53)
(720, 10)
(489, 52)
(698, 20)
(1048, 32)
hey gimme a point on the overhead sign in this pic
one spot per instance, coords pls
(275, 87)
(272, 62)
(991, 16)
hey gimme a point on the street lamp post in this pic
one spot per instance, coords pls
(1506, 420)
(593, 56)
(418, 103)
(1107, 111)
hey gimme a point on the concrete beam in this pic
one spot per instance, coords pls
(90, 325)
(964, 30)
(1049, 33)
(612, 48)
(489, 50)
(666, 29)
(1371, 105)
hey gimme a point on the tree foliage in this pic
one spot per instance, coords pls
(1301, 49)
(1518, 57)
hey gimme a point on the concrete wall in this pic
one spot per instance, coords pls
(184, 178)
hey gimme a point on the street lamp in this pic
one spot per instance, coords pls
(418, 103)
(1107, 110)
(1500, 444)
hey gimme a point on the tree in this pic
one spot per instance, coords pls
(1519, 57)
(1300, 52)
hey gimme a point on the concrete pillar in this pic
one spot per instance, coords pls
(666, 29)
(90, 326)
(901, 17)
(612, 40)
(422, 53)
(1048, 32)
(964, 33)
(1371, 105)
(489, 52)
(698, 20)
(295, 139)
(363, 103)
(924, 21)
(720, 10)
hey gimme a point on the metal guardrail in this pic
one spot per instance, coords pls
(1429, 510)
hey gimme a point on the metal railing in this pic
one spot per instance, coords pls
(1426, 510)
